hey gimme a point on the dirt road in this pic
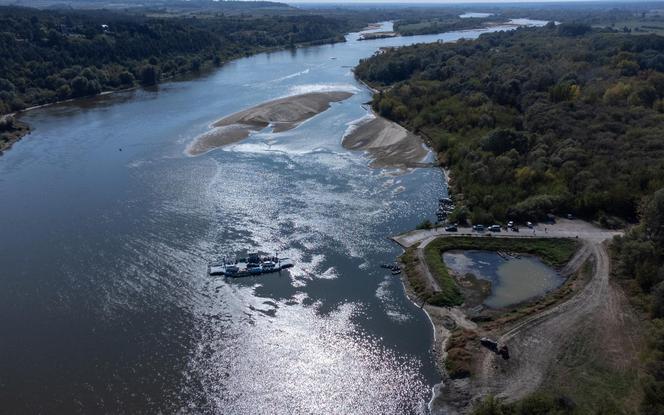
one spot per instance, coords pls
(433, 283)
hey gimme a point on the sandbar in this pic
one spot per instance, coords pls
(388, 143)
(282, 114)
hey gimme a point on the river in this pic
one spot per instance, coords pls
(108, 226)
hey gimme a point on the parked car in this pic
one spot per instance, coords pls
(570, 216)
(530, 225)
(478, 228)
(510, 224)
(494, 228)
(451, 228)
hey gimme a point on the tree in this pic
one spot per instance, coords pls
(658, 296)
(652, 213)
(79, 86)
(149, 75)
(501, 141)
(126, 78)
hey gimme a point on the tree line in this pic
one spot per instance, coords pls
(564, 118)
(560, 119)
(46, 56)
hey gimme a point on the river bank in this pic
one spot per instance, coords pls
(125, 266)
(11, 131)
(207, 67)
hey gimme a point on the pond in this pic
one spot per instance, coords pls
(513, 280)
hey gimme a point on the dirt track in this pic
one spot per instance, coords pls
(536, 341)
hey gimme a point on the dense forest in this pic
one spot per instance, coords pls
(558, 119)
(47, 56)
(561, 119)
(639, 266)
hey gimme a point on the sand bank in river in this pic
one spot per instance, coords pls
(388, 143)
(281, 114)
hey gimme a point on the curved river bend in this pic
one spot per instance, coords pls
(108, 226)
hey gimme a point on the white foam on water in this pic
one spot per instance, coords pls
(291, 76)
(309, 88)
(355, 124)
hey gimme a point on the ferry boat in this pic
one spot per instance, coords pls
(253, 264)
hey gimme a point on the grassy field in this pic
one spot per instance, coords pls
(583, 376)
(638, 26)
(555, 252)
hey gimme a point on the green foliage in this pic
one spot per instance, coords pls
(658, 298)
(532, 121)
(573, 29)
(425, 224)
(149, 75)
(10, 130)
(501, 141)
(535, 404)
(639, 257)
(53, 55)
(459, 360)
(652, 214)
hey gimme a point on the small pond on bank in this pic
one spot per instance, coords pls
(513, 281)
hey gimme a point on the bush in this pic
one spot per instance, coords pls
(149, 75)
(658, 297)
(425, 224)
(501, 141)
(126, 78)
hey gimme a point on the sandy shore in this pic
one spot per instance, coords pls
(388, 143)
(281, 114)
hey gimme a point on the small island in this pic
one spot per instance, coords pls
(281, 114)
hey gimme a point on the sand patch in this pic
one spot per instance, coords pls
(281, 114)
(388, 143)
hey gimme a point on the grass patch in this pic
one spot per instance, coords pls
(416, 281)
(584, 377)
(459, 359)
(555, 252)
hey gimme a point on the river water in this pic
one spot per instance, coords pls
(105, 305)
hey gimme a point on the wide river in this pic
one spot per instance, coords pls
(107, 227)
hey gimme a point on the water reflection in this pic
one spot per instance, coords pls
(104, 296)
